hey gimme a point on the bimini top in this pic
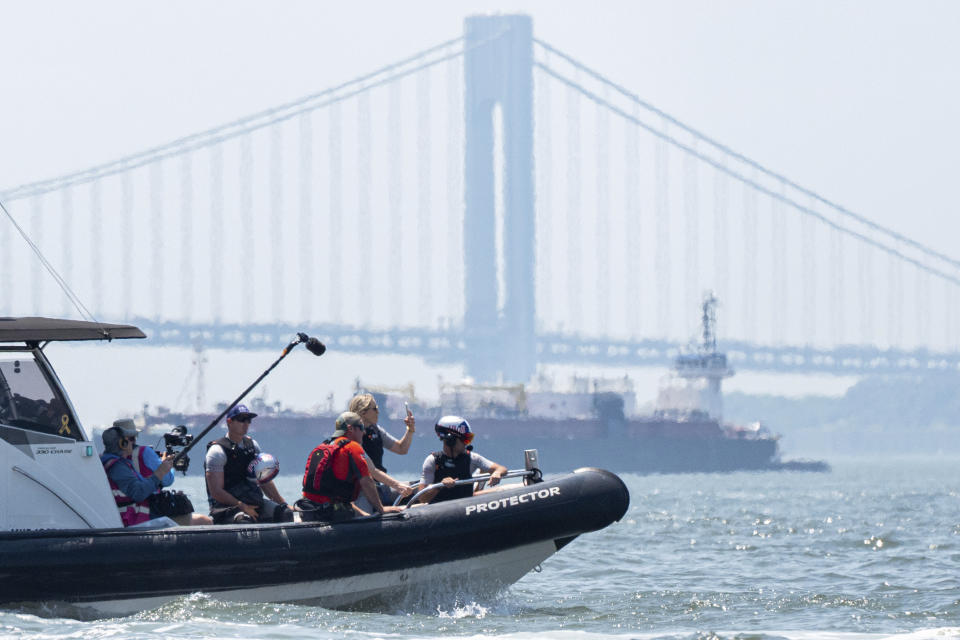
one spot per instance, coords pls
(56, 329)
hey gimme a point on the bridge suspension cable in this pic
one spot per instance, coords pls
(893, 250)
(408, 66)
(739, 156)
(384, 75)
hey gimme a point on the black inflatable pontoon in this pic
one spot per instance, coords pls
(481, 543)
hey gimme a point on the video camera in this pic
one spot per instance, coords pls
(174, 441)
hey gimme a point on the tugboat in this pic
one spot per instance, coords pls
(62, 544)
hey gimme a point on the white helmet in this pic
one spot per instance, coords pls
(263, 468)
(453, 426)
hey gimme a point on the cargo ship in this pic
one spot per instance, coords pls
(591, 421)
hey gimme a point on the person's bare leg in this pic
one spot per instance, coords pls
(192, 519)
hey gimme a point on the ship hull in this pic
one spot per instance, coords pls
(642, 446)
(631, 448)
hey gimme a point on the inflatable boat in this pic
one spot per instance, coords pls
(61, 543)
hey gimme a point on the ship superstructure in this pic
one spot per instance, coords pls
(694, 386)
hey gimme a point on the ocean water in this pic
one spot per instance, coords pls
(869, 550)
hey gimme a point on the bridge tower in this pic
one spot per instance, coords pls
(498, 111)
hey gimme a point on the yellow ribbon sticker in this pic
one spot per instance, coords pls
(64, 425)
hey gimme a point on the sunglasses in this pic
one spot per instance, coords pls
(244, 419)
(467, 439)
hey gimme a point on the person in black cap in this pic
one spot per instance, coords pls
(234, 497)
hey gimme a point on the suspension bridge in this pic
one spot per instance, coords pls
(488, 200)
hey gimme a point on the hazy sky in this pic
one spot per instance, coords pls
(855, 100)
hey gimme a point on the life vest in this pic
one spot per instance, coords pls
(235, 479)
(373, 445)
(320, 484)
(457, 468)
(139, 464)
(131, 512)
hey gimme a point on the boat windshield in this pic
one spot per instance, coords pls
(28, 399)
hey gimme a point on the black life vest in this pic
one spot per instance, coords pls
(373, 445)
(319, 482)
(457, 468)
(239, 456)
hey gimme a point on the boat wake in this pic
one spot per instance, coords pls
(469, 610)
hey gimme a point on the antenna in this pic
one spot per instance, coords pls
(709, 323)
(61, 282)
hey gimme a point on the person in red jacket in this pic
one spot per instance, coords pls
(336, 473)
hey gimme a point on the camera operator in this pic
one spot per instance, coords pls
(120, 441)
(174, 505)
(233, 497)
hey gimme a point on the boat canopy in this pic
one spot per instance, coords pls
(56, 329)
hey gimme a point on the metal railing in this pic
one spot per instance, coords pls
(516, 473)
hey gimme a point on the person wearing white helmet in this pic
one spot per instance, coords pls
(455, 462)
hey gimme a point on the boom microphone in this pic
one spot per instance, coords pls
(315, 347)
